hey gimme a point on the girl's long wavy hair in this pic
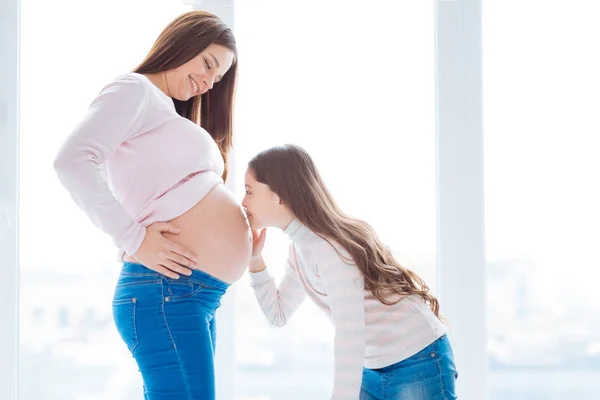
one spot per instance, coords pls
(290, 172)
(183, 39)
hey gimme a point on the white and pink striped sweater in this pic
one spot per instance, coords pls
(367, 332)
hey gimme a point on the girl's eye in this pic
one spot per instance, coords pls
(206, 64)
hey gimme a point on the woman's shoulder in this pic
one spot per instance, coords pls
(128, 84)
(127, 93)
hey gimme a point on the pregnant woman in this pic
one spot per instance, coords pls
(147, 164)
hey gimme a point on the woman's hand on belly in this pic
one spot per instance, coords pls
(163, 255)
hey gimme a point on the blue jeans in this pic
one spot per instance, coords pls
(428, 375)
(169, 327)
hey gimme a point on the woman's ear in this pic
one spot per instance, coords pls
(277, 198)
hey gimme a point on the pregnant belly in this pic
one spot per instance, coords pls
(216, 230)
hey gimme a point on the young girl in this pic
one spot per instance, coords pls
(389, 340)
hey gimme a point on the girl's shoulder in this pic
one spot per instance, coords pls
(330, 251)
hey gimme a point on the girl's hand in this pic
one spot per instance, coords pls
(257, 263)
(164, 256)
(258, 242)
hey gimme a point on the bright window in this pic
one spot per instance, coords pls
(541, 105)
(69, 348)
(354, 85)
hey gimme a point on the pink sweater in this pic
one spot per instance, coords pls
(133, 161)
(367, 333)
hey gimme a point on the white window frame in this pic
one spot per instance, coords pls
(9, 196)
(225, 365)
(460, 194)
(460, 202)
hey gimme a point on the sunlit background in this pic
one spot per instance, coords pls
(354, 83)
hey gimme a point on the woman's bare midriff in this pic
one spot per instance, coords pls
(217, 231)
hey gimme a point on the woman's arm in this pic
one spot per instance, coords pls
(115, 116)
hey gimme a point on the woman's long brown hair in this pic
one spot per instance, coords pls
(290, 172)
(183, 39)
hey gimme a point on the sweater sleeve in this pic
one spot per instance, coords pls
(344, 285)
(279, 303)
(114, 116)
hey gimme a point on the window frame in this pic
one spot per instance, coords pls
(9, 195)
(460, 188)
(459, 181)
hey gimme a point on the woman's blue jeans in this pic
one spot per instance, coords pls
(169, 327)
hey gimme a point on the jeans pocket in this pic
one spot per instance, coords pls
(124, 312)
(181, 288)
(448, 375)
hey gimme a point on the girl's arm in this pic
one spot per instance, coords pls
(279, 303)
(344, 285)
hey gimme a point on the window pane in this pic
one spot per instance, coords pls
(353, 84)
(542, 204)
(70, 349)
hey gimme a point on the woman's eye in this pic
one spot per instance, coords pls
(206, 64)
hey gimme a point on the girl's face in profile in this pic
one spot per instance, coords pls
(262, 205)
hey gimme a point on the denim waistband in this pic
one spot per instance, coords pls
(134, 269)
